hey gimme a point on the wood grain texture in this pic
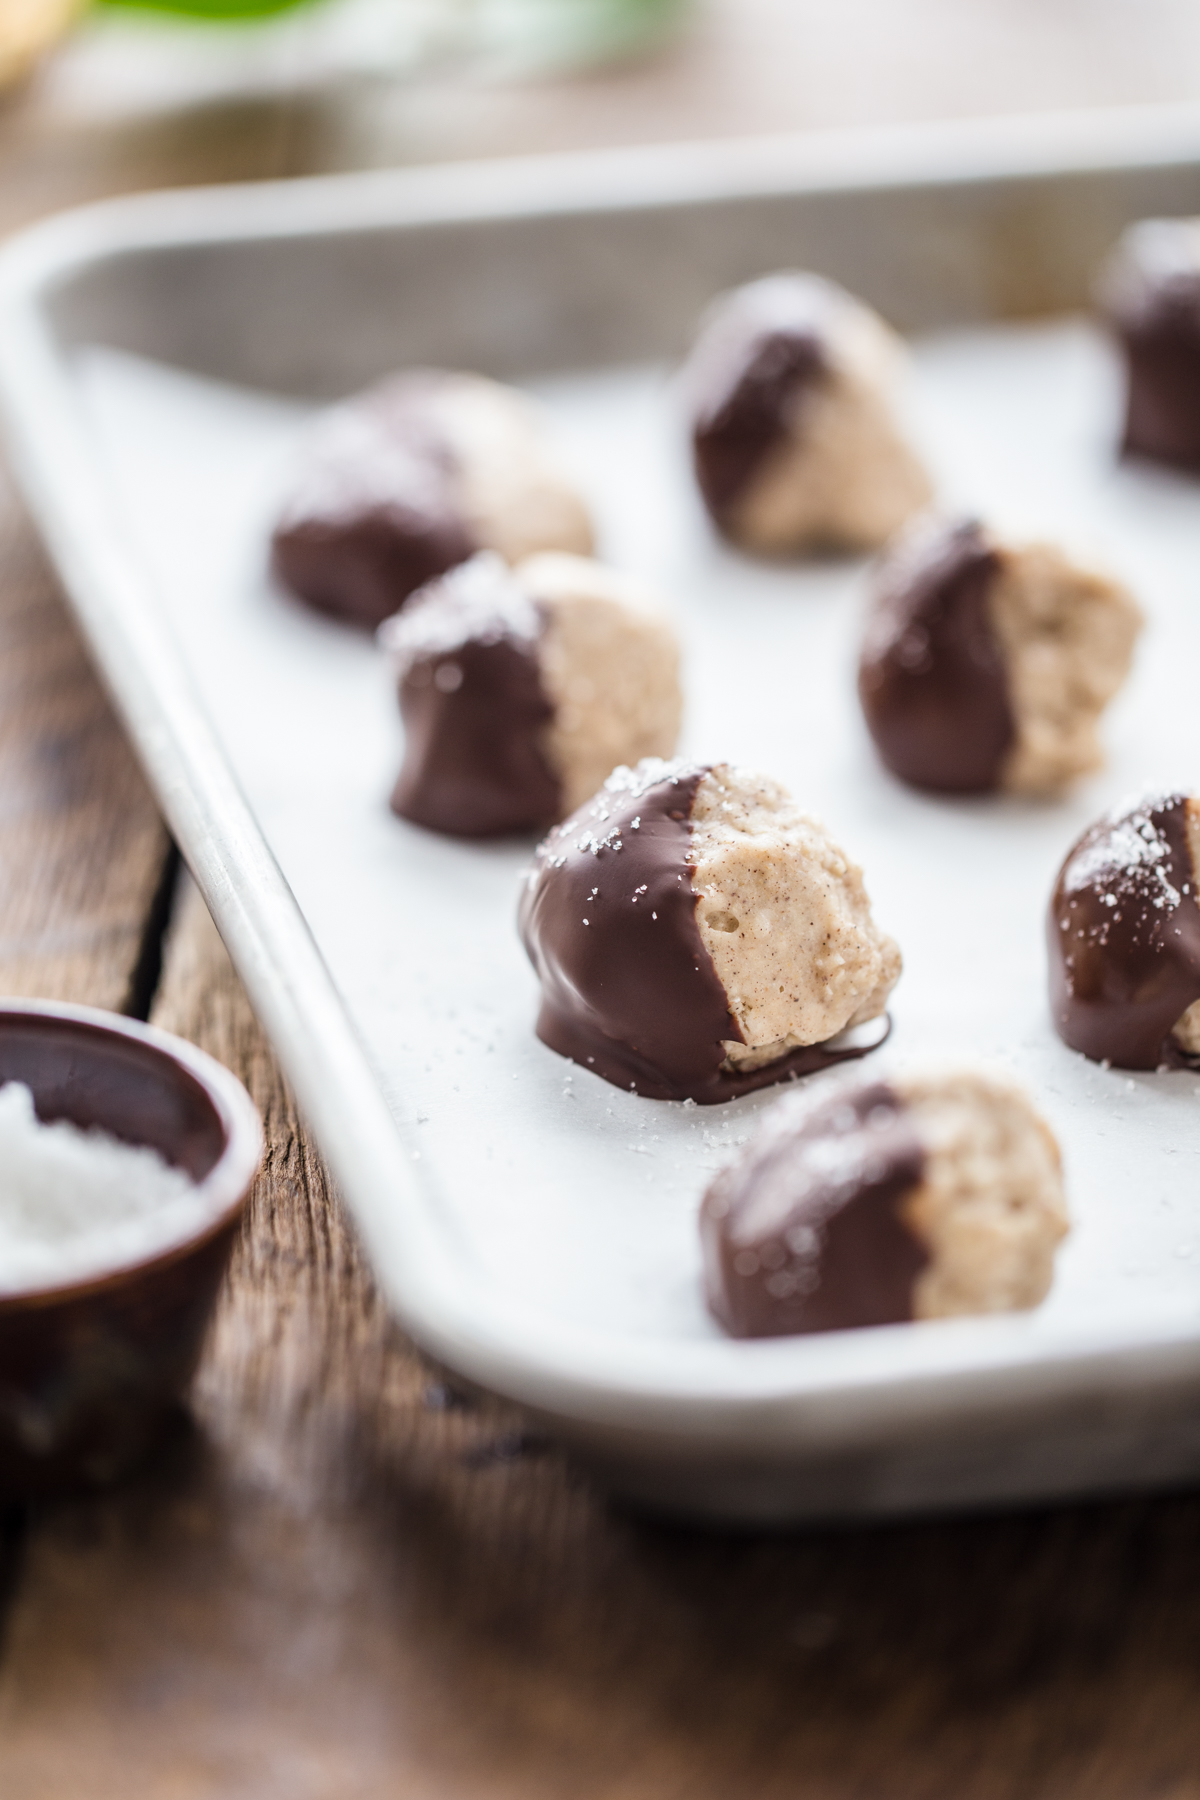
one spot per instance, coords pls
(81, 844)
(82, 849)
(342, 1581)
(84, 857)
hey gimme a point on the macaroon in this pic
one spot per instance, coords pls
(928, 1195)
(410, 478)
(521, 689)
(986, 666)
(792, 397)
(698, 935)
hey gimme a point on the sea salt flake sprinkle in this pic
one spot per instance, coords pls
(75, 1204)
(479, 601)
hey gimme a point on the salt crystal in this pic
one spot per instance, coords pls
(75, 1204)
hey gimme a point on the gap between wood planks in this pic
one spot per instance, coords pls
(344, 1578)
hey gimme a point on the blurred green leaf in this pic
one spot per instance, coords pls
(220, 12)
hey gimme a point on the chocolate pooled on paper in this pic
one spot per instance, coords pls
(872, 1203)
(697, 936)
(1124, 937)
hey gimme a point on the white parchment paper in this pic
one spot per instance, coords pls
(576, 1197)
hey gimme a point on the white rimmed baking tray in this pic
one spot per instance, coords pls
(533, 1227)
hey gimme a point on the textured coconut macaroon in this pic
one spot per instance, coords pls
(521, 689)
(927, 1196)
(411, 478)
(697, 936)
(791, 391)
(1124, 937)
(986, 666)
(1149, 293)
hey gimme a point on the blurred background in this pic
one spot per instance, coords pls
(108, 96)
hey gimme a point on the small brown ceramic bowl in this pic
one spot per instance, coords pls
(89, 1370)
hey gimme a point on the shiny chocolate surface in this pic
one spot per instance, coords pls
(932, 679)
(1151, 296)
(608, 917)
(473, 764)
(375, 511)
(804, 1231)
(739, 422)
(1123, 936)
(473, 705)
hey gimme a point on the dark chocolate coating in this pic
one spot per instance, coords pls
(759, 351)
(803, 1232)
(375, 513)
(740, 422)
(608, 917)
(932, 678)
(1124, 938)
(473, 763)
(1155, 313)
(473, 706)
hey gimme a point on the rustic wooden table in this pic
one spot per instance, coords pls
(342, 1579)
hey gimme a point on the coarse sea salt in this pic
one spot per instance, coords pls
(75, 1204)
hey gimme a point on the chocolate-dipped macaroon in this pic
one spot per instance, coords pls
(698, 936)
(923, 1197)
(411, 478)
(1149, 293)
(1124, 937)
(791, 393)
(520, 689)
(986, 666)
